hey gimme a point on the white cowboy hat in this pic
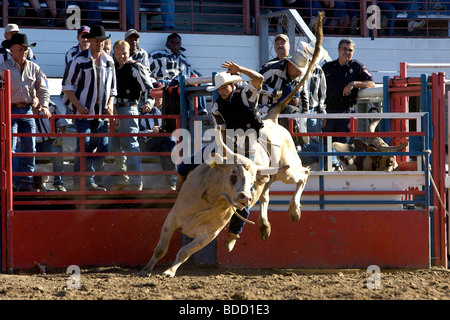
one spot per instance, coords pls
(222, 78)
(309, 50)
(299, 60)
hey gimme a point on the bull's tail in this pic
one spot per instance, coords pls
(275, 111)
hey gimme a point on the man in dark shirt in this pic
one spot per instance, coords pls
(133, 82)
(344, 77)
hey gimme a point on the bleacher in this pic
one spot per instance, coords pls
(218, 17)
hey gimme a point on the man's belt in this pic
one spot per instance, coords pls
(21, 105)
(126, 103)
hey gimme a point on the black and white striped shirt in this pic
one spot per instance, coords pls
(317, 91)
(43, 124)
(276, 78)
(71, 53)
(81, 77)
(141, 56)
(147, 124)
(166, 65)
(249, 96)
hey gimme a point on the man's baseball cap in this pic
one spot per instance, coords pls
(11, 28)
(83, 29)
(131, 32)
(282, 36)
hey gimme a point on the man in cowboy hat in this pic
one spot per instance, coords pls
(234, 109)
(280, 77)
(317, 92)
(11, 29)
(89, 86)
(27, 86)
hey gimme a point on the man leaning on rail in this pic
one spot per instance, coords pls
(27, 83)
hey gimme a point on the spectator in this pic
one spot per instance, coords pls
(133, 81)
(27, 83)
(52, 144)
(317, 92)
(345, 76)
(158, 144)
(280, 77)
(136, 53)
(391, 8)
(87, 93)
(107, 47)
(167, 12)
(281, 46)
(316, 85)
(5, 54)
(336, 15)
(170, 63)
(82, 44)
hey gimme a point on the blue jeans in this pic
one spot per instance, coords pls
(57, 161)
(92, 164)
(314, 7)
(167, 12)
(163, 144)
(127, 144)
(391, 10)
(28, 144)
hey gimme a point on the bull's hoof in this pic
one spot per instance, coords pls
(168, 274)
(231, 241)
(295, 212)
(142, 273)
(264, 231)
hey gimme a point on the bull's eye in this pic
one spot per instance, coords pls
(233, 179)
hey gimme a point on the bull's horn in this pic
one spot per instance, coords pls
(392, 148)
(271, 170)
(373, 125)
(220, 144)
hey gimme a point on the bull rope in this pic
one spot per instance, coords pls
(241, 217)
(234, 209)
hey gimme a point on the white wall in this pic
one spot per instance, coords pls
(207, 52)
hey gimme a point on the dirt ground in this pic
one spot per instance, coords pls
(214, 283)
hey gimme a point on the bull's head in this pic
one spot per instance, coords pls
(240, 175)
(369, 163)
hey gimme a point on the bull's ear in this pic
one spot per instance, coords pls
(359, 144)
(372, 149)
(216, 159)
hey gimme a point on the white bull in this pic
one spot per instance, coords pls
(210, 194)
(206, 202)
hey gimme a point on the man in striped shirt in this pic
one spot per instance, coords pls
(82, 44)
(89, 86)
(280, 77)
(170, 63)
(136, 52)
(52, 144)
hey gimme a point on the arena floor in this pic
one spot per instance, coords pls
(214, 283)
